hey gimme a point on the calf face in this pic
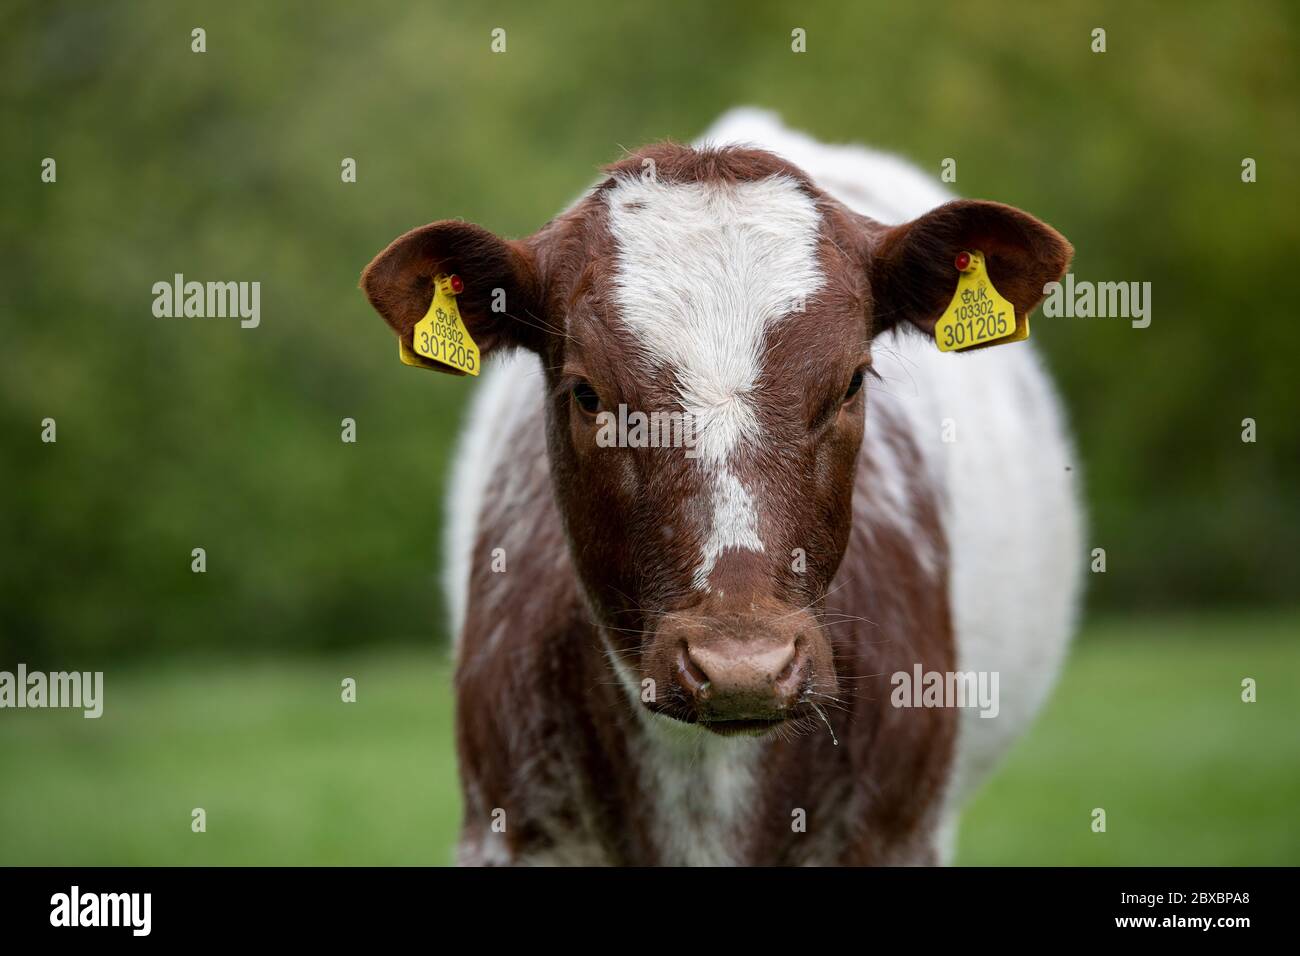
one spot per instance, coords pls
(722, 286)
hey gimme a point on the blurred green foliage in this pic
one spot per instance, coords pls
(183, 433)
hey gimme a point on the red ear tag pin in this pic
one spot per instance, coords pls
(457, 286)
(962, 261)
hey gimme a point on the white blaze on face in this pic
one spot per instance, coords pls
(703, 270)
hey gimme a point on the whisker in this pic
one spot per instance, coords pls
(829, 728)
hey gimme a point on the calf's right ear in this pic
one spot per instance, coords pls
(500, 300)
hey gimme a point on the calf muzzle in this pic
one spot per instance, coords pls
(739, 673)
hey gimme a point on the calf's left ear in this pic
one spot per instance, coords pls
(913, 275)
(499, 302)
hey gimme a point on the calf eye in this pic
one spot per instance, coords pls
(586, 398)
(855, 384)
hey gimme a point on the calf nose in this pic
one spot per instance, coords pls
(741, 680)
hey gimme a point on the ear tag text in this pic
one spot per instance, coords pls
(978, 315)
(440, 338)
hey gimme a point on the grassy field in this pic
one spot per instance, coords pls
(1147, 724)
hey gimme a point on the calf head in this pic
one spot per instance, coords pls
(723, 296)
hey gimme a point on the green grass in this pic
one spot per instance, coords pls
(287, 772)
(1147, 724)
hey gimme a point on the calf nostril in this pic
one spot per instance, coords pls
(689, 675)
(792, 663)
(789, 681)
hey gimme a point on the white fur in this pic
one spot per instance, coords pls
(511, 393)
(735, 525)
(703, 784)
(703, 271)
(704, 789)
(1012, 519)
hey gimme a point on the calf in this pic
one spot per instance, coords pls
(704, 655)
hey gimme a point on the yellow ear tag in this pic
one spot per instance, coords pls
(977, 315)
(440, 338)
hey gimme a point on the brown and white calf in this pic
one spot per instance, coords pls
(672, 658)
